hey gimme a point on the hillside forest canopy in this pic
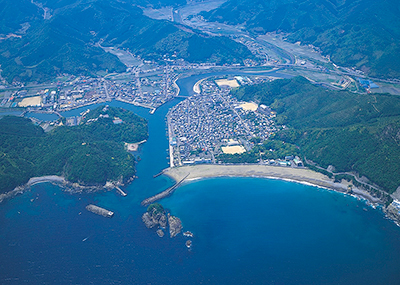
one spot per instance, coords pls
(37, 49)
(90, 153)
(353, 132)
(355, 33)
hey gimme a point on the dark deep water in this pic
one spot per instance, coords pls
(247, 231)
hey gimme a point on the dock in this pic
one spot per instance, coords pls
(119, 190)
(99, 211)
(163, 194)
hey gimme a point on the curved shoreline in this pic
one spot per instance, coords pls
(66, 185)
(298, 175)
(32, 181)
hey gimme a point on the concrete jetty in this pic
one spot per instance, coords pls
(158, 174)
(163, 194)
(119, 190)
(99, 211)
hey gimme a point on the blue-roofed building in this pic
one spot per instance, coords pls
(367, 84)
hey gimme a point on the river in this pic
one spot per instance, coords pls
(247, 230)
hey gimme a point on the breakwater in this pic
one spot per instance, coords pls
(158, 174)
(99, 211)
(163, 194)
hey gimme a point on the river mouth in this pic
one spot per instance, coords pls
(246, 230)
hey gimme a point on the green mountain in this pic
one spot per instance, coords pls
(353, 132)
(360, 33)
(91, 153)
(66, 42)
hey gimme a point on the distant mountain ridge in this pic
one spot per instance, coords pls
(65, 43)
(360, 33)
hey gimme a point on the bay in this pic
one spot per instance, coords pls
(247, 231)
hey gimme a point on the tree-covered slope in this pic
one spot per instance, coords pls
(91, 153)
(361, 33)
(66, 42)
(353, 132)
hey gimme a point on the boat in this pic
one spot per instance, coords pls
(188, 243)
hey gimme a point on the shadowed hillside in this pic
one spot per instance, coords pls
(66, 42)
(361, 33)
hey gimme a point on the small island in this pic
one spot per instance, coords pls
(156, 216)
(91, 154)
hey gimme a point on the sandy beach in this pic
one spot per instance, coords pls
(301, 175)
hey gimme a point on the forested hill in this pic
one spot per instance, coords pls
(361, 33)
(352, 132)
(36, 49)
(91, 153)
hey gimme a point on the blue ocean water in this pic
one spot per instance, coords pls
(247, 231)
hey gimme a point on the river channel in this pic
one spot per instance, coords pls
(246, 230)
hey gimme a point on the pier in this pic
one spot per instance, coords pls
(119, 190)
(163, 194)
(99, 211)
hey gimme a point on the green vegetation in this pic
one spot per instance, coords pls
(352, 132)
(91, 153)
(246, 157)
(270, 149)
(361, 33)
(67, 42)
(155, 209)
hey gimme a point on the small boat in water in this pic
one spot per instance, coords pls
(189, 244)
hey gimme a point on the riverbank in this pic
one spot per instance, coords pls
(300, 175)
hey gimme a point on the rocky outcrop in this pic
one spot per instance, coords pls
(153, 219)
(392, 213)
(160, 232)
(175, 225)
(163, 221)
(148, 220)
